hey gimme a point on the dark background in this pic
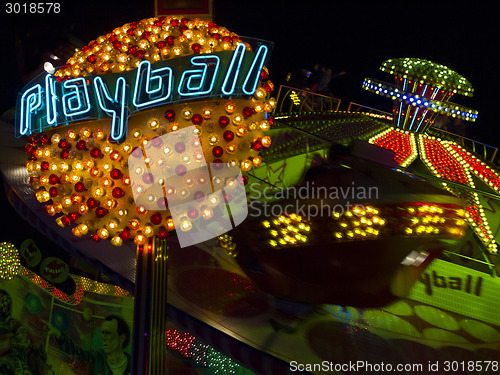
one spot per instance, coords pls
(351, 36)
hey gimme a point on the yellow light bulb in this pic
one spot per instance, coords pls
(103, 233)
(66, 202)
(116, 241)
(266, 141)
(140, 239)
(257, 161)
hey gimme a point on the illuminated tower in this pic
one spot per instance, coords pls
(422, 92)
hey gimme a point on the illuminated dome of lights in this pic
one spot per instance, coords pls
(426, 71)
(152, 39)
(421, 93)
(81, 171)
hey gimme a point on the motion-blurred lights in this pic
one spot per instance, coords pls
(415, 258)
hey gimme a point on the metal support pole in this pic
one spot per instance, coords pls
(148, 350)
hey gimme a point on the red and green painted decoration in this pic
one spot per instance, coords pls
(421, 93)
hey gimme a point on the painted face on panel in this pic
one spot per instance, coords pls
(111, 340)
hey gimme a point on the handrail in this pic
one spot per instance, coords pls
(386, 115)
(292, 100)
(473, 146)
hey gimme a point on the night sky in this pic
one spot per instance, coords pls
(354, 36)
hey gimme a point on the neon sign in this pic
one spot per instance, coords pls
(459, 289)
(46, 103)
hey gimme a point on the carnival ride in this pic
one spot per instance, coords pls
(217, 287)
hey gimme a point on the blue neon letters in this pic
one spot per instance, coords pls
(76, 99)
(31, 103)
(152, 87)
(117, 107)
(199, 81)
(50, 103)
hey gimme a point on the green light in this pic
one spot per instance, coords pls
(220, 364)
(480, 330)
(442, 335)
(429, 72)
(459, 289)
(383, 320)
(436, 317)
(400, 308)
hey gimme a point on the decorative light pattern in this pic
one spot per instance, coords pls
(10, 264)
(442, 163)
(401, 142)
(153, 39)
(420, 101)
(93, 286)
(427, 71)
(437, 155)
(82, 176)
(179, 341)
(421, 93)
(483, 171)
(73, 299)
(199, 352)
(226, 242)
(287, 230)
(366, 222)
(202, 354)
(402, 219)
(220, 364)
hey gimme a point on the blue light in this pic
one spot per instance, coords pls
(422, 120)
(253, 75)
(152, 86)
(210, 66)
(414, 118)
(233, 71)
(76, 101)
(31, 102)
(50, 100)
(399, 113)
(116, 108)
